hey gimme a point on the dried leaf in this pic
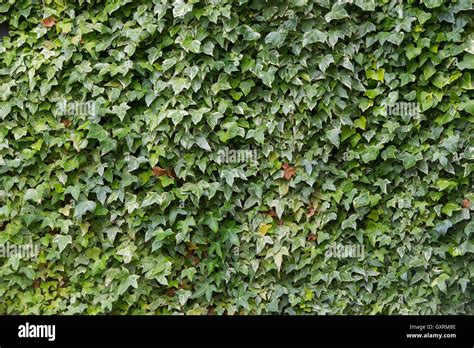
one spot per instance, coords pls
(288, 171)
(48, 22)
(311, 211)
(271, 213)
(66, 122)
(157, 171)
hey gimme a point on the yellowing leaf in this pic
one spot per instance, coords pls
(263, 229)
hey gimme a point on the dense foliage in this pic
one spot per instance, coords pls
(202, 157)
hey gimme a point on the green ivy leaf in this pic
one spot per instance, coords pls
(83, 207)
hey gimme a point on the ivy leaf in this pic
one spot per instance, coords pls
(263, 229)
(432, 3)
(362, 200)
(313, 36)
(5, 108)
(443, 227)
(179, 84)
(440, 282)
(350, 222)
(83, 207)
(203, 144)
(276, 38)
(48, 22)
(152, 198)
(120, 110)
(248, 33)
(370, 154)
(278, 257)
(337, 12)
(212, 222)
(126, 283)
(158, 171)
(288, 171)
(366, 5)
(333, 136)
(467, 62)
(268, 76)
(62, 241)
(325, 62)
(96, 131)
(180, 8)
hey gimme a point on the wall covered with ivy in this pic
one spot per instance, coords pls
(236, 157)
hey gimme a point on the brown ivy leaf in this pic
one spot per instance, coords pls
(288, 171)
(48, 22)
(466, 203)
(170, 292)
(37, 283)
(271, 213)
(63, 282)
(311, 211)
(53, 231)
(312, 237)
(157, 171)
(189, 254)
(66, 122)
(171, 173)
